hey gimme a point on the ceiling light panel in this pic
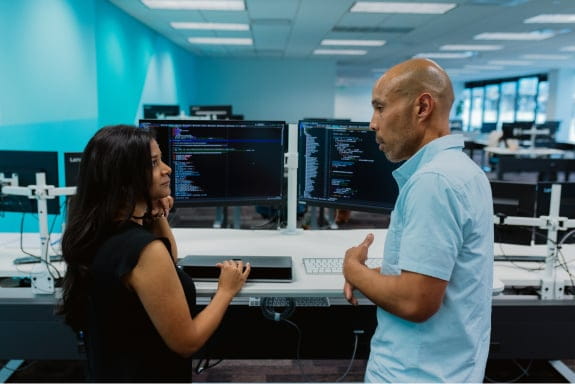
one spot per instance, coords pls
(357, 43)
(445, 55)
(485, 67)
(552, 19)
(510, 62)
(221, 40)
(570, 48)
(535, 35)
(545, 57)
(211, 26)
(205, 5)
(470, 47)
(400, 7)
(352, 52)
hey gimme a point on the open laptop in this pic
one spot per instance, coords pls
(272, 269)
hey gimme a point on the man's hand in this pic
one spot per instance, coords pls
(354, 255)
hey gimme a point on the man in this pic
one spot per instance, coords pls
(433, 290)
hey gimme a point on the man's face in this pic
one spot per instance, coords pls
(393, 122)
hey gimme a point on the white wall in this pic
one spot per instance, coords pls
(268, 89)
(560, 104)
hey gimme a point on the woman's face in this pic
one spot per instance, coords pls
(160, 173)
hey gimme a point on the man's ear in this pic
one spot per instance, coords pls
(425, 105)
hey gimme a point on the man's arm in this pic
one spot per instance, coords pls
(411, 296)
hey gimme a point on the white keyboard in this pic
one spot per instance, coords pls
(332, 265)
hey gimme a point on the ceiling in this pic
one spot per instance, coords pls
(295, 28)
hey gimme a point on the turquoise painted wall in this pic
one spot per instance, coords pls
(68, 67)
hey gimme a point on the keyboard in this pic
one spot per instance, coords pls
(280, 301)
(332, 265)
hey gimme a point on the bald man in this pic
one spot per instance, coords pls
(433, 290)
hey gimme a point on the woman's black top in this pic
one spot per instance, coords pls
(121, 341)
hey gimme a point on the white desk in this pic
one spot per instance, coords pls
(526, 152)
(320, 243)
(25, 318)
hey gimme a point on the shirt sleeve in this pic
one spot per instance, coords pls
(134, 244)
(432, 235)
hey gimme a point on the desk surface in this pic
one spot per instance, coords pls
(309, 243)
(525, 151)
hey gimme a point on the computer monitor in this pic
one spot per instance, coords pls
(223, 162)
(325, 119)
(214, 111)
(566, 208)
(515, 130)
(546, 139)
(456, 125)
(72, 167)
(513, 199)
(488, 127)
(26, 164)
(160, 111)
(340, 166)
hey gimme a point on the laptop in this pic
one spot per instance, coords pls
(271, 269)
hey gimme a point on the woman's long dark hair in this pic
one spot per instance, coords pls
(115, 174)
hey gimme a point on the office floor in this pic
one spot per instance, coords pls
(286, 371)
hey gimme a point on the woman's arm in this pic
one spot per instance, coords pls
(155, 281)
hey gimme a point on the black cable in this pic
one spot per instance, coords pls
(339, 379)
(202, 367)
(297, 355)
(524, 372)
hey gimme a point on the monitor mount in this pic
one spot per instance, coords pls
(551, 287)
(41, 279)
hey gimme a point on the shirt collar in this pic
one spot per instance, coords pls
(424, 155)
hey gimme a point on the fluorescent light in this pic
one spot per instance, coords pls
(357, 52)
(484, 67)
(445, 55)
(221, 40)
(551, 19)
(470, 47)
(208, 5)
(211, 26)
(358, 43)
(569, 48)
(510, 62)
(397, 7)
(535, 35)
(535, 56)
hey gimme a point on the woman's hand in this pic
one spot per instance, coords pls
(162, 207)
(233, 275)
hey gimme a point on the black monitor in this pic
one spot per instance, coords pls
(340, 166)
(566, 208)
(325, 119)
(160, 111)
(516, 130)
(488, 127)
(456, 125)
(26, 164)
(513, 199)
(223, 162)
(213, 111)
(72, 167)
(546, 139)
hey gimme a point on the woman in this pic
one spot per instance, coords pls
(122, 288)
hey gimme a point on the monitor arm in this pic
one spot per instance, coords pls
(42, 281)
(550, 287)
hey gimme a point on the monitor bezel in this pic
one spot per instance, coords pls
(277, 201)
(354, 205)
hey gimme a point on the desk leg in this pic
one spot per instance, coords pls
(564, 370)
(8, 369)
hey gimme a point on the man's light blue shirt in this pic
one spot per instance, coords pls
(442, 226)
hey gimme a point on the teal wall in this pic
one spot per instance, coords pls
(68, 67)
